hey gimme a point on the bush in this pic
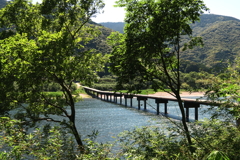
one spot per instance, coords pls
(46, 143)
(210, 139)
(104, 87)
(55, 87)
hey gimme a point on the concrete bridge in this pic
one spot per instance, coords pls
(114, 96)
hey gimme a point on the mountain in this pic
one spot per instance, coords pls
(221, 37)
(116, 26)
(100, 43)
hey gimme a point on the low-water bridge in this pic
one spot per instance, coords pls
(113, 97)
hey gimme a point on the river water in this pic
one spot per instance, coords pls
(110, 119)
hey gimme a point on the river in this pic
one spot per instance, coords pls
(110, 119)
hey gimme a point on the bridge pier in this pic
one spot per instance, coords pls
(116, 95)
(126, 97)
(104, 95)
(165, 101)
(110, 96)
(143, 99)
(188, 105)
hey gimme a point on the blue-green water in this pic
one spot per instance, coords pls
(110, 119)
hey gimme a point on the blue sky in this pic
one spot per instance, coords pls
(221, 7)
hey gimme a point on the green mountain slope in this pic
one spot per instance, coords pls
(100, 43)
(221, 36)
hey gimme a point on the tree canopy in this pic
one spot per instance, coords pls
(153, 31)
(149, 50)
(41, 44)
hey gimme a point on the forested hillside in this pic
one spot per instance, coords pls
(221, 37)
(100, 43)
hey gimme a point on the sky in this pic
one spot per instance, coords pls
(221, 7)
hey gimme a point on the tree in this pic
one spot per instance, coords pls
(226, 90)
(150, 48)
(41, 44)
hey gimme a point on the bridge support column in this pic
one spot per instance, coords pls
(143, 99)
(161, 101)
(118, 95)
(188, 105)
(110, 98)
(97, 95)
(126, 97)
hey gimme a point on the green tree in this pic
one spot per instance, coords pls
(226, 90)
(48, 143)
(150, 48)
(41, 44)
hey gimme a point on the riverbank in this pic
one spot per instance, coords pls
(163, 94)
(82, 95)
(183, 94)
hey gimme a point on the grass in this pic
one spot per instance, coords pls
(60, 93)
(54, 94)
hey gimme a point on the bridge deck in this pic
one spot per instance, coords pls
(188, 103)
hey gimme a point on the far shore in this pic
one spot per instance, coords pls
(163, 94)
(82, 95)
(182, 94)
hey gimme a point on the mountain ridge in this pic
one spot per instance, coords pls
(221, 38)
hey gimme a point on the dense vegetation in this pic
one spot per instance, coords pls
(43, 46)
(49, 46)
(222, 32)
(100, 42)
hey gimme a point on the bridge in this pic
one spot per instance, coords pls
(114, 96)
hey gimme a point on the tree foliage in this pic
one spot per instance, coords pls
(150, 48)
(41, 44)
(221, 39)
(47, 143)
(152, 35)
(226, 90)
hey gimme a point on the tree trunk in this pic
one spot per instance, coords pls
(69, 97)
(238, 122)
(184, 122)
(77, 137)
